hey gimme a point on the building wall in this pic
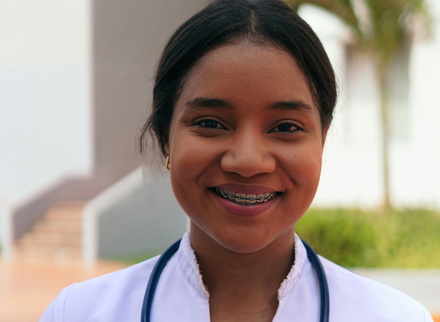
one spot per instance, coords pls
(145, 219)
(128, 38)
(352, 171)
(44, 94)
(75, 81)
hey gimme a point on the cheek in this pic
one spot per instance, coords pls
(191, 164)
(189, 157)
(304, 167)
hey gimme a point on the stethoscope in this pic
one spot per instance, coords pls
(165, 257)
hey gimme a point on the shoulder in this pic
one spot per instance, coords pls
(118, 294)
(369, 300)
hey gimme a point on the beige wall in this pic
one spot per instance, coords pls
(77, 83)
(128, 37)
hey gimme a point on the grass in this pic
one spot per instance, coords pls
(408, 238)
(133, 258)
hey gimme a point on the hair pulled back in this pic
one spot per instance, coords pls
(227, 21)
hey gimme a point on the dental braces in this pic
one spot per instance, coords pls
(241, 198)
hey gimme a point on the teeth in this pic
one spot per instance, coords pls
(245, 199)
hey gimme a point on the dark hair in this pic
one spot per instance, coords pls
(224, 22)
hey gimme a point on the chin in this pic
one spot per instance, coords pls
(254, 242)
(243, 248)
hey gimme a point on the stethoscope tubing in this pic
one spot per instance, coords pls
(154, 280)
(322, 281)
(165, 257)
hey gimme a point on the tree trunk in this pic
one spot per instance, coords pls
(385, 138)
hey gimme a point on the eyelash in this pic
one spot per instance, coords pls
(216, 125)
(293, 128)
(203, 124)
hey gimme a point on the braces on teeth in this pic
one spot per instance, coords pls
(246, 200)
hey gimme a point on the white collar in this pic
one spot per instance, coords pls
(190, 268)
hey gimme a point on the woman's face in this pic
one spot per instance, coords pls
(245, 147)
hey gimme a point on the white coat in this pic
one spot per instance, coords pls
(181, 295)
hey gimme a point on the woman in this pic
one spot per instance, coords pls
(243, 100)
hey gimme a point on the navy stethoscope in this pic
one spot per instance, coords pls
(165, 257)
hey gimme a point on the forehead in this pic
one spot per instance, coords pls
(236, 54)
(256, 68)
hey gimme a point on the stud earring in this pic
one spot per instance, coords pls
(167, 163)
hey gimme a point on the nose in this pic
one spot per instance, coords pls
(248, 155)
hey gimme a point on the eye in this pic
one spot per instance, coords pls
(285, 127)
(210, 124)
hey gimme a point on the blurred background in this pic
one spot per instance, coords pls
(75, 89)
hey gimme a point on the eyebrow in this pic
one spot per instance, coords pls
(291, 105)
(201, 102)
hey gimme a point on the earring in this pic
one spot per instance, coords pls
(167, 163)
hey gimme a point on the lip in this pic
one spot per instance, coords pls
(254, 189)
(245, 210)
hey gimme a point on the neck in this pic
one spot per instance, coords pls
(245, 282)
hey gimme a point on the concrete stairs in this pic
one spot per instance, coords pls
(57, 237)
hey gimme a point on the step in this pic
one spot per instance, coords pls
(66, 226)
(51, 238)
(44, 253)
(57, 236)
(65, 212)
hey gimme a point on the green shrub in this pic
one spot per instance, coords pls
(407, 238)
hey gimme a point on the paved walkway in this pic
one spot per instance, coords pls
(26, 289)
(422, 285)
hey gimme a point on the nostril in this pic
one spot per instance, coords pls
(248, 165)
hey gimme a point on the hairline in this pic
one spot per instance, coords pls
(254, 39)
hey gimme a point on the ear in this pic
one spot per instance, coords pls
(166, 148)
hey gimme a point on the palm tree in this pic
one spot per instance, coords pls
(382, 30)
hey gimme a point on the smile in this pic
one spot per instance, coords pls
(245, 199)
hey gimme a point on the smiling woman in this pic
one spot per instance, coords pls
(243, 99)
(244, 138)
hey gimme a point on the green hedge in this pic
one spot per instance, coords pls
(354, 238)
